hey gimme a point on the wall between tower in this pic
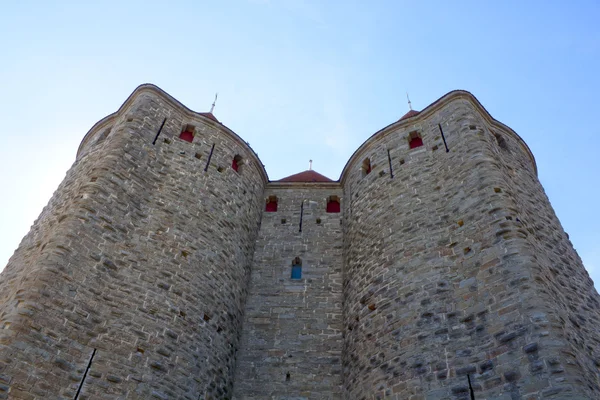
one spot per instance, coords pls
(440, 279)
(292, 332)
(141, 259)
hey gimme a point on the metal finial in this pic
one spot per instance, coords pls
(310, 165)
(214, 103)
(409, 103)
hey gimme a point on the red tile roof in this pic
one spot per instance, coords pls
(306, 176)
(210, 116)
(409, 114)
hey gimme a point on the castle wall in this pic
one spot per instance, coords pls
(138, 264)
(292, 332)
(440, 281)
(568, 343)
(155, 272)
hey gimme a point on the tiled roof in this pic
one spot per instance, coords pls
(409, 114)
(210, 116)
(306, 176)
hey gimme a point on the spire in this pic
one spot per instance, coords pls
(310, 165)
(214, 103)
(411, 112)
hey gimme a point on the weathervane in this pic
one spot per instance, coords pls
(310, 165)
(409, 103)
(214, 103)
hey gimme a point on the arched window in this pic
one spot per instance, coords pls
(366, 166)
(236, 163)
(333, 204)
(414, 140)
(271, 204)
(187, 133)
(297, 268)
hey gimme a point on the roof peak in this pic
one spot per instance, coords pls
(410, 113)
(209, 115)
(306, 176)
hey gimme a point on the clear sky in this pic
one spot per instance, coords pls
(300, 80)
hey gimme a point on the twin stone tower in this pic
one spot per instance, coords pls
(168, 266)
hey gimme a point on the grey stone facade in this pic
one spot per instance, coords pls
(155, 272)
(292, 331)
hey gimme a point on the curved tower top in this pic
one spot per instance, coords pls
(207, 117)
(414, 117)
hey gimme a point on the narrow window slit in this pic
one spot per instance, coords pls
(301, 215)
(443, 137)
(390, 162)
(159, 131)
(209, 157)
(85, 375)
(471, 392)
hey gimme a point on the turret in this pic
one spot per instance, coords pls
(132, 281)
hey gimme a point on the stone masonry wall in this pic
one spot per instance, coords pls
(439, 277)
(141, 261)
(569, 306)
(154, 271)
(292, 332)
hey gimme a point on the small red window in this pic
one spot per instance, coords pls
(333, 204)
(414, 140)
(187, 133)
(271, 204)
(187, 136)
(234, 165)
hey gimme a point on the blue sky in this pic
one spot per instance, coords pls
(301, 80)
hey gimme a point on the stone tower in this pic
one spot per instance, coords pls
(167, 265)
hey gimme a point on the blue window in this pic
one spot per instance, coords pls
(297, 268)
(297, 272)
